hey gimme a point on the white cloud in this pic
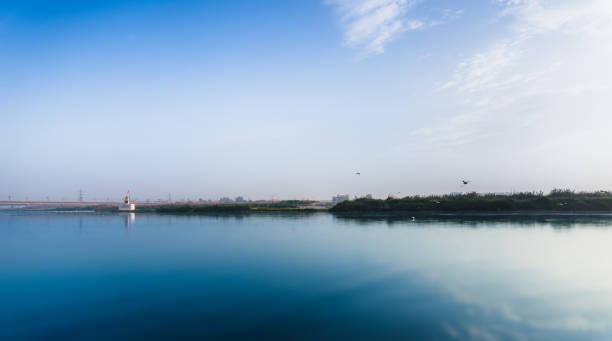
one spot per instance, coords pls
(483, 70)
(544, 82)
(371, 24)
(589, 17)
(530, 108)
(537, 24)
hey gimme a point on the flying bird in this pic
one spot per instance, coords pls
(465, 182)
(358, 173)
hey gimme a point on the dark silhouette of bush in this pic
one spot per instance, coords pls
(556, 200)
(222, 208)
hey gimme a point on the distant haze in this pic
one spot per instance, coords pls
(289, 99)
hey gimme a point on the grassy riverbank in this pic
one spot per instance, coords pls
(556, 200)
(281, 206)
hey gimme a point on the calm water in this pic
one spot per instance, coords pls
(92, 276)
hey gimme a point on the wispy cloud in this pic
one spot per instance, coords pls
(589, 17)
(372, 24)
(551, 69)
(532, 19)
(483, 70)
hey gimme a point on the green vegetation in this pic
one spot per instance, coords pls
(556, 200)
(280, 206)
(221, 208)
(285, 204)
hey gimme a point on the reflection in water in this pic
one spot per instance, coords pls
(550, 282)
(558, 220)
(313, 276)
(129, 219)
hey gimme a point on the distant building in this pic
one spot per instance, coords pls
(368, 196)
(127, 204)
(340, 198)
(239, 199)
(225, 200)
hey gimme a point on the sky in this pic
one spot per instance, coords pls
(289, 99)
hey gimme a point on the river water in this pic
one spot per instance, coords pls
(78, 276)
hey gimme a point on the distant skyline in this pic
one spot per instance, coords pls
(289, 99)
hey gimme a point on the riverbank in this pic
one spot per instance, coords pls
(288, 206)
(556, 201)
(178, 208)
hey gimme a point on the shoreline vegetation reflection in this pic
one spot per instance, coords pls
(489, 219)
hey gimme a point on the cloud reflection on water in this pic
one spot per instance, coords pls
(547, 272)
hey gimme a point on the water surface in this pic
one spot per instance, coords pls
(124, 276)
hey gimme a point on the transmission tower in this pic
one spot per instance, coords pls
(81, 195)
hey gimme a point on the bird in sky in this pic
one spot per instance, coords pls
(465, 182)
(358, 173)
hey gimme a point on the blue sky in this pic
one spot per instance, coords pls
(287, 99)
